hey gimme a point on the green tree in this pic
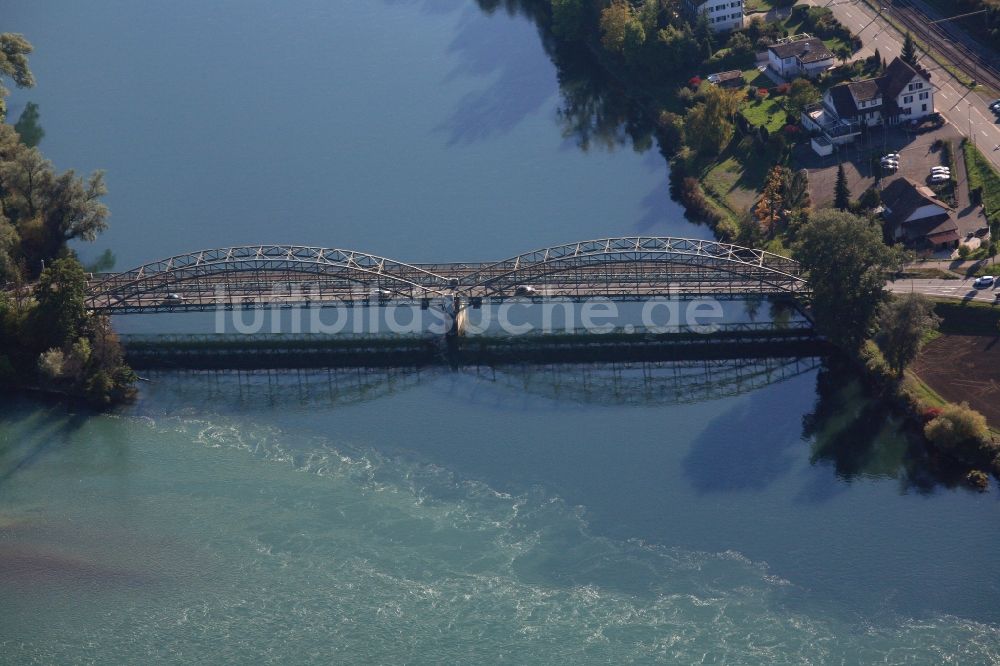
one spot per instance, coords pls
(903, 324)
(909, 53)
(27, 126)
(846, 263)
(61, 294)
(843, 53)
(801, 94)
(841, 194)
(708, 126)
(14, 50)
(797, 191)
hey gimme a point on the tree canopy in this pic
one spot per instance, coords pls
(846, 262)
(903, 324)
(14, 50)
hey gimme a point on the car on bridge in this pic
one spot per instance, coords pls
(525, 290)
(984, 281)
(172, 298)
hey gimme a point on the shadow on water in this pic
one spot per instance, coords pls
(861, 438)
(518, 87)
(748, 447)
(39, 433)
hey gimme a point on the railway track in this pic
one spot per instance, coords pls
(974, 65)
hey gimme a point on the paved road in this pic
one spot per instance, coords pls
(958, 289)
(967, 111)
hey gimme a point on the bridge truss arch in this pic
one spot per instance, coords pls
(263, 273)
(626, 268)
(642, 267)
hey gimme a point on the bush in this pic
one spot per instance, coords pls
(960, 431)
(978, 480)
(696, 204)
(875, 364)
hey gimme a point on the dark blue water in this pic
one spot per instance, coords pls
(722, 513)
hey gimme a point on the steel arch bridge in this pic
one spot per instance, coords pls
(629, 268)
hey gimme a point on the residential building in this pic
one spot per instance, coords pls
(801, 55)
(902, 93)
(917, 217)
(722, 15)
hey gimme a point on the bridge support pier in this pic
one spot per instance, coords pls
(459, 318)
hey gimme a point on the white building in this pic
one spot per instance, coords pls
(902, 93)
(800, 55)
(722, 15)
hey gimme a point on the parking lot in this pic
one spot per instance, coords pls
(917, 156)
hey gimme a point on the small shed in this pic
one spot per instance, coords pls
(731, 79)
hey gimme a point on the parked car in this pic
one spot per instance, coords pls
(891, 156)
(940, 177)
(984, 281)
(525, 290)
(994, 105)
(940, 169)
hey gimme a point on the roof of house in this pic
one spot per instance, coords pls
(897, 75)
(843, 102)
(865, 91)
(903, 197)
(937, 229)
(806, 50)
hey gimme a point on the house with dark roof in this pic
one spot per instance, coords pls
(902, 93)
(917, 217)
(800, 55)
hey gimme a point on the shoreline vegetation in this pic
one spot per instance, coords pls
(627, 75)
(49, 343)
(731, 166)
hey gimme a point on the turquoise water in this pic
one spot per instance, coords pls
(526, 515)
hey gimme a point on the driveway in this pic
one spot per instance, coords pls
(965, 109)
(917, 156)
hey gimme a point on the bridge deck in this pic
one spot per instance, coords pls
(621, 269)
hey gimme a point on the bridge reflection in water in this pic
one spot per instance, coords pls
(610, 383)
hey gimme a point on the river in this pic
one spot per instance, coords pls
(526, 515)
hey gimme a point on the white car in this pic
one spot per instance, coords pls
(525, 290)
(892, 156)
(940, 177)
(940, 169)
(890, 165)
(984, 281)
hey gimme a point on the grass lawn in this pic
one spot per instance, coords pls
(984, 177)
(738, 175)
(759, 5)
(767, 113)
